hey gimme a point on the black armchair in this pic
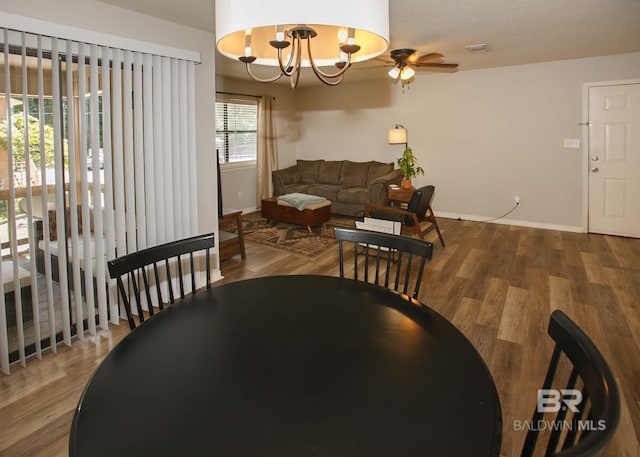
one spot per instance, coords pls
(418, 216)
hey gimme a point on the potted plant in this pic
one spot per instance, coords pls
(408, 167)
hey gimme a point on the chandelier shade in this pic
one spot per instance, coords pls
(336, 33)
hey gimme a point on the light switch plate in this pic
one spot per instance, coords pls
(571, 143)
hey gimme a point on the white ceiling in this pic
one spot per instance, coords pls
(515, 31)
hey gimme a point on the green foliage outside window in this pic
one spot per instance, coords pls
(36, 150)
(18, 140)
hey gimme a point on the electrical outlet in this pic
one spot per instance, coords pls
(573, 143)
(517, 199)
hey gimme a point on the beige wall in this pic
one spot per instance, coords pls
(482, 136)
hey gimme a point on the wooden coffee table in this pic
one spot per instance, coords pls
(310, 217)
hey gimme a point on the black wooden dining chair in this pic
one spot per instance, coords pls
(384, 248)
(139, 273)
(417, 217)
(585, 410)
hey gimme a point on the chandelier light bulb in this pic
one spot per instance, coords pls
(342, 36)
(247, 43)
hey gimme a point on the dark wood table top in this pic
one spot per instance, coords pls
(291, 366)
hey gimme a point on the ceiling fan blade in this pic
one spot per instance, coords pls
(382, 59)
(436, 65)
(438, 68)
(425, 58)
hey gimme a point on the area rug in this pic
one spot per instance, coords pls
(290, 237)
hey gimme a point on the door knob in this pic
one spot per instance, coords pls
(595, 158)
(595, 169)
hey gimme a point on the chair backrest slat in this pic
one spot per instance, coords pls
(146, 285)
(133, 268)
(157, 285)
(193, 276)
(169, 281)
(399, 270)
(599, 391)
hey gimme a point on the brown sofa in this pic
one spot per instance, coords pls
(349, 185)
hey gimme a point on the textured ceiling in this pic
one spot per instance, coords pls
(515, 31)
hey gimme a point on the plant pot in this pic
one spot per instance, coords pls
(406, 184)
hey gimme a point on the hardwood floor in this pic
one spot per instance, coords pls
(498, 284)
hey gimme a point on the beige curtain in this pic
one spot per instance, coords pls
(267, 159)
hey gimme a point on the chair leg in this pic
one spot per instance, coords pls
(243, 254)
(416, 228)
(432, 218)
(439, 234)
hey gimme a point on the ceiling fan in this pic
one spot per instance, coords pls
(404, 61)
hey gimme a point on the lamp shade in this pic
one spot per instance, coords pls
(242, 24)
(397, 135)
(394, 72)
(407, 73)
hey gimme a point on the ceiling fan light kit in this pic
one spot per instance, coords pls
(405, 59)
(291, 35)
(405, 74)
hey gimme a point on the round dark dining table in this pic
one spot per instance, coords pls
(294, 366)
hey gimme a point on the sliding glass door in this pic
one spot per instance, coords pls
(97, 159)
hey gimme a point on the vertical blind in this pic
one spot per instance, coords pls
(97, 159)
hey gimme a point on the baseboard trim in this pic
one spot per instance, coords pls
(216, 275)
(514, 222)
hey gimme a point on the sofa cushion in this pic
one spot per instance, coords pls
(354, 195)
(330, 172)
(354, 174)
(377, 169)
(309, 170)
(328, 191)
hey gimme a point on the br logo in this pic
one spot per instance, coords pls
(552, 400)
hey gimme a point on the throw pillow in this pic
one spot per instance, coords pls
(309, 170)
(330, 172)
(354, 174)
(378, 169)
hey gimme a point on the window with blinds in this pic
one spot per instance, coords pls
(236, 131)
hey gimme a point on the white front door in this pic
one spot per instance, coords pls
(614, 159)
